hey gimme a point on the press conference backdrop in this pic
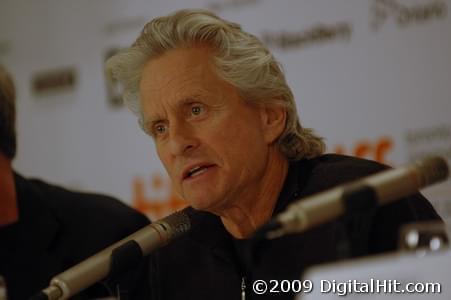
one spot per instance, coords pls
(371, 76)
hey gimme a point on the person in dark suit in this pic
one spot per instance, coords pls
(44, 228)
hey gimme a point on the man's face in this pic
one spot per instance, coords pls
(212, 143)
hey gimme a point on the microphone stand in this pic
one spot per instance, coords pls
(354, 229)
(123, 258)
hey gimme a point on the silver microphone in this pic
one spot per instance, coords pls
(97, 267)
(387, 186)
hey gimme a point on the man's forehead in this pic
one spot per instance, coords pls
(174, 72)
(177, 75)
(175, 92)
(174, 61)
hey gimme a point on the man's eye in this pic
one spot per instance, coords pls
(196, 109)
(159, 129)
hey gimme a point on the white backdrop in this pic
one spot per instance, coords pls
(372, 76)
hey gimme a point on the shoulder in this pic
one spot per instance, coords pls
(347, 166)
(88, 222)
(91, 207)
(329, 170)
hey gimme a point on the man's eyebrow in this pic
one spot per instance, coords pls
(190, 99)
(186, 101)
(148, 123)
(155, 118)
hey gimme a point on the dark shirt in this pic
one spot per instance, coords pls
(208, 263)
(58, 228)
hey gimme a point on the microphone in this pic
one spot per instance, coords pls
(385, 187)
(99, 266)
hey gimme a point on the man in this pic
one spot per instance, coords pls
(225, 126)
(45, 229)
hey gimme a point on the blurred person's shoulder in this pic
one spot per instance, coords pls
(90, 221)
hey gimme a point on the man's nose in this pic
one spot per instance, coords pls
(182, 139)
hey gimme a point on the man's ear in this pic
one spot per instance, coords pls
(273, 121)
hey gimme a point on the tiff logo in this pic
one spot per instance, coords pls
(405, 15)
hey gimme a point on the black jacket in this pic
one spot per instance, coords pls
(58, 228)
(209, 264)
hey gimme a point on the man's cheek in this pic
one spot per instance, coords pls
(166, 163)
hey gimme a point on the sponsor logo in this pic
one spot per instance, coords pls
(406, 14)
(317, 34)
(435, 140)
(377, 150)
(114, 89)
(54, 80)
(157, 198)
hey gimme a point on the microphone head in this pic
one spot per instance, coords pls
(432, 169)
(177, 223)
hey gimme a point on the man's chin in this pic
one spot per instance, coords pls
(200, 205)
(204, 205)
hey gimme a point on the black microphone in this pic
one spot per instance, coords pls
(98, 266)
(386, 186)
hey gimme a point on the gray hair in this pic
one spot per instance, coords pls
(240, 59)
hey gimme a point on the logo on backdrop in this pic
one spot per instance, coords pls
(156, 197)
(405, 14)
(377, 150)
(318, 34)
(49, 81)
(114, 88)
(435, 140)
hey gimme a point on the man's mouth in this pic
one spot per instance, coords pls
(196, 171)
